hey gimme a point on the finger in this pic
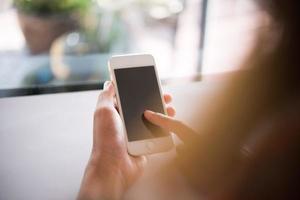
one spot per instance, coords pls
(180, 148)
(171, 111)
(169, 124)
(115, 102)
(161, 120)
(167, 98)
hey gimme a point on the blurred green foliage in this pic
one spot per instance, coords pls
(48, 7)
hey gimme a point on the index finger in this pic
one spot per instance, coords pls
(170, 124)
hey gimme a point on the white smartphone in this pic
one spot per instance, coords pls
(138, 89)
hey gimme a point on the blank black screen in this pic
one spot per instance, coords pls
(139, 91)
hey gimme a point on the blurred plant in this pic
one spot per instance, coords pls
(104, 26)
(49, 7)
(42, 21)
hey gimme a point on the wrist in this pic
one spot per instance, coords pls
(101, 182)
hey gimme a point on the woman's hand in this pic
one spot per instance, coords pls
(170, 124)
(111, 170)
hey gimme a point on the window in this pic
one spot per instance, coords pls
(64, 45)
(231, 27)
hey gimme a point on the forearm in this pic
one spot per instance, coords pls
(100, 185)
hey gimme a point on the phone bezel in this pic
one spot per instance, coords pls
(147, 146)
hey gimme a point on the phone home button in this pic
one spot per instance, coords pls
(150, 146)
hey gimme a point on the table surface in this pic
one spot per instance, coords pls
(45, 140)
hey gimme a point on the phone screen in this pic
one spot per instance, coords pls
(139, 91)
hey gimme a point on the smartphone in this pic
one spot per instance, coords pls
(138, 89)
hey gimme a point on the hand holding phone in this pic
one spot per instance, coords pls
(110, 153)
(138, 89)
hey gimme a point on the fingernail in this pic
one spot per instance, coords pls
(106, 84)
(148, 112)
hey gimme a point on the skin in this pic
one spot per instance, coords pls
(111, 170)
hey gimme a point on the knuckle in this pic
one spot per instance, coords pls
(103, 111)
(169, 123)
(178, 124)
(102, 95)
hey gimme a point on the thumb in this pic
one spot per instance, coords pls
(106, 96)
(108, 88)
